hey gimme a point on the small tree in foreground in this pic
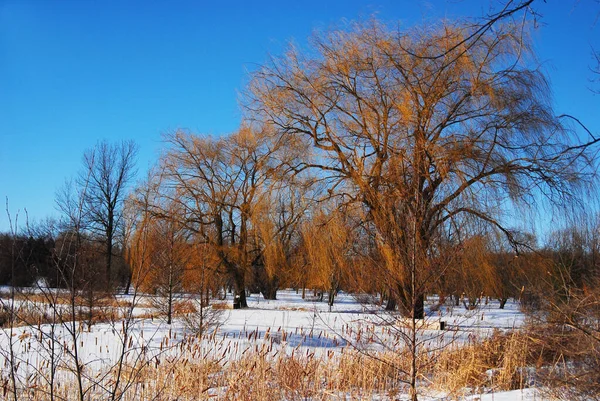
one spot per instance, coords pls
(170, 257)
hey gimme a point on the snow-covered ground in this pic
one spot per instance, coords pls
(289, 324)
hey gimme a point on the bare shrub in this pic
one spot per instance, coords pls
(200, 318)
(569, 358)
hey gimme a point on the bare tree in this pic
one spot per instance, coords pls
(422, 141)
(276, 234)
(170, 256)
(216, 185)
(108, 169)
(424, 128)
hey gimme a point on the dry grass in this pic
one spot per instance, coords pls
(213, 367)
(260, 376)
(183, 307)
(268, 373)
(36, 309)
(222, 305)
(497, 363)
(64, 298)
(59, 299)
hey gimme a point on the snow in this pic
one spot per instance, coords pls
(528, 394)
(288, 324)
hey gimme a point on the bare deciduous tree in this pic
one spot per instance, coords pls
(420, 140)
(108, 169)
(276, 234)
(216, 185)
(170, 255)
(424, 128)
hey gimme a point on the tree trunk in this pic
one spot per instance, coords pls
(411, 306)
(269, 293)
(239, 292)
(503, 302)
(206, 301)
(269, 287)
(419, 309)
(391, 303)
(331, 298)
(128, 285)
(109, 247)
(169, 309)
(413, 393)
(108, 263)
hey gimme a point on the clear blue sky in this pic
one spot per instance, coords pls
(73, 72)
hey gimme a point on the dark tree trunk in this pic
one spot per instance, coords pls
(129, 279)
(503, 302)
(269, 287)
(411, 307)
(391, 303)
(419, 309)
(269, 293)
(330, 298)
(109, 246)
(128, 285)
(169, 308)
(206, 301)
(108, 263)
(239, 292)
(262, 282)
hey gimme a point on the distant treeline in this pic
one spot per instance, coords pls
(472, 272)
(30, 261)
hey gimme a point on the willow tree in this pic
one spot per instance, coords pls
(276, 228)
(327, 242)
(425, 128)
(216, 185)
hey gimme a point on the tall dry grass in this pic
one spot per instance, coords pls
(269, 371)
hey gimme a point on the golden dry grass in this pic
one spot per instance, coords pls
(265, 374)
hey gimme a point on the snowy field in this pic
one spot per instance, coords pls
(289, 325)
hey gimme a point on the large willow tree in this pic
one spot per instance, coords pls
(427, 129)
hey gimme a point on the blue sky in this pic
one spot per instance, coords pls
(73, 72)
